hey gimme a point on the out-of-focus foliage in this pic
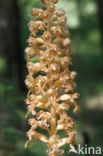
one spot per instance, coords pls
(83, 22)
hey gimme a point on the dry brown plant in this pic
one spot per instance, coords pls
(50, 82)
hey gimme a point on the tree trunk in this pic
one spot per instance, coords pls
(10, 46)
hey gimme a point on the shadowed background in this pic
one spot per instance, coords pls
(85, 22)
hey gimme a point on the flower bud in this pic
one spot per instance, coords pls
(51, 92)
(52, 8)
(73, 74)
(66, 42)
(37, 12)
(60, 12)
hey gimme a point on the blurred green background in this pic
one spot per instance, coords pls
(85, 22)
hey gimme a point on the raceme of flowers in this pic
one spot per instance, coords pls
(50, 82)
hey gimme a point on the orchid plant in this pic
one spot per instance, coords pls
(50, 82)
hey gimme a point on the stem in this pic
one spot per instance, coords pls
(49, 17)
(52, 109)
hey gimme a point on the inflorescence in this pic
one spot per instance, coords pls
(50, 82)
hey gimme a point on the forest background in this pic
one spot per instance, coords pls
(85, 23)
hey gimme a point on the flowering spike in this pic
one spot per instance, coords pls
(50, 82)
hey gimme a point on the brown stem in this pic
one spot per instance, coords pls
(53, 119)
(49, 17)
